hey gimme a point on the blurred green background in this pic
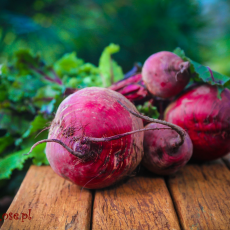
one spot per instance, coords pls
(141, 28)
(57, 27)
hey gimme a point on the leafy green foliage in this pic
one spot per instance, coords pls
(16, 160)
(5, 141)
(68, 64)
(204, 74)
(31, 91)
(109, 69)
(148, 110)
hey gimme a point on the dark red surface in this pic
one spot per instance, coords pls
(206, 118)
(161, 154)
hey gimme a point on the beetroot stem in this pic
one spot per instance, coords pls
(118, 136)
(77, 154)
(178, 129)
(90, 139)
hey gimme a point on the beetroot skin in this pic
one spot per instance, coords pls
(206, 118)
(165, 74)
(132, 88)
(162, 155)
(95, 113)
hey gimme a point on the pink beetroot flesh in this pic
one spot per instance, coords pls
(165, 74)
(162, 155)
(206, 119)
(95, 112)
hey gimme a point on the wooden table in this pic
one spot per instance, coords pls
(197, 197)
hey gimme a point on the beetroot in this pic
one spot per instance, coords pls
(165, 74)
(206, 118)
(81, 125)
(162, 155)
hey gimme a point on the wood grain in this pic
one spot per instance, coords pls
(55, 203)
(140, 203)
(226, 160)
(201, 195)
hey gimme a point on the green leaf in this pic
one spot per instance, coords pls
(209, 76)
(204, 74)
(48, 91)
(11, 162)
(47, 97)
(69, 63)
(3, 92)
(35, 126)
(5, 141)
(110, 71)
(25, 60)
(178, 51)
(20, 89)
(14, 124)
(148, 110)
(16, 160)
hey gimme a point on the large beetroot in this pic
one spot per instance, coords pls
(206, 118)
(165, 74)
(82, 122)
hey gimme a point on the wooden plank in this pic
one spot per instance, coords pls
(140, 203)
(226, 160)
(201, 195)
(55, 203)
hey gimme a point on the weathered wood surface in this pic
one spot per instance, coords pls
(201, 195)
(55, 203)
(140, 203)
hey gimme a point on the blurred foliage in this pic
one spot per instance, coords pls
(149, 110)
(141, 28)
(216, 35)
(31, 90)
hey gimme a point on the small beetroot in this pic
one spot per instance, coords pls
(165, 74)
(162, 155)
(206, 118)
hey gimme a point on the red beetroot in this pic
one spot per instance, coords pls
(162, 155)
(132, 88)
(81, 122)
(165, 74)
(206, 119)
